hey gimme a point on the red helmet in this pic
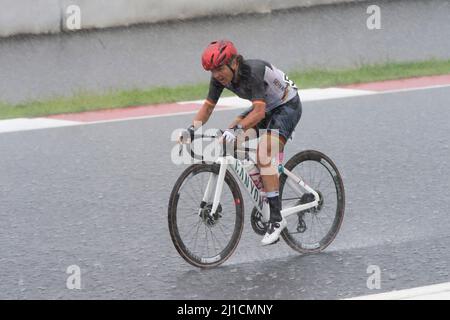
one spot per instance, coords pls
(218, 53)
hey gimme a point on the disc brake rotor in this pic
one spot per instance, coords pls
(205, 214)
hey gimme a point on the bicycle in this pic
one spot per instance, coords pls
(218, 213)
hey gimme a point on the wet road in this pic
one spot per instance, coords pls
(96, 196)
(169, 54)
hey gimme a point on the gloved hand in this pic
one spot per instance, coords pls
(229, 135)
(186, 135)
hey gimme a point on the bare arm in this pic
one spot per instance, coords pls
(203, 114)
(254, 117)
(235, 121)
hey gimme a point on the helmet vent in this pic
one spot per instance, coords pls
(221, 58)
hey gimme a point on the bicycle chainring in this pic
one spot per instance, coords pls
(258, 225)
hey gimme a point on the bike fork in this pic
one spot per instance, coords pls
(208, 191)
(217, 182)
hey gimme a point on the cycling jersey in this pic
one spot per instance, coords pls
(257, 80)
(284, 119)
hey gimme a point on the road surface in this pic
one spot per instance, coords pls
(96, 196)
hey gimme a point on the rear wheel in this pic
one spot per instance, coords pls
(313, 230)
(201, 239)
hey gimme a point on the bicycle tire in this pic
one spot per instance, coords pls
(178, 242)
(312, 155)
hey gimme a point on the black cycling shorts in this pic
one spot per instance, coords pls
(283, 118)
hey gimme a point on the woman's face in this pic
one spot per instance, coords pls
(223, 74)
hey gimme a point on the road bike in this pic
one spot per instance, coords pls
(206, 207)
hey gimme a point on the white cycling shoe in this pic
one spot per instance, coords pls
(273, 232)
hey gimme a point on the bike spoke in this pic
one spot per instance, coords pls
(320, 227)
(196, 238)
(195, 225)
(321, 221)
(213, 236)
(320, 180)
(192, 198)
(221, 226)
(204, 236)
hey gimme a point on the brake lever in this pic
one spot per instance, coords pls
(181, 146)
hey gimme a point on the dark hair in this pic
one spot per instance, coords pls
(239, 58)
(244, 69)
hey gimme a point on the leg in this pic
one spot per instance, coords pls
(269, 147)
(283, 121)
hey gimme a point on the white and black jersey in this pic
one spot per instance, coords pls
(257, 80)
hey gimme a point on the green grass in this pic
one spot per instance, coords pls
(314, 78)
(84, 101)
(369, 73)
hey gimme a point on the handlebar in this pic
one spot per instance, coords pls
(216, 136)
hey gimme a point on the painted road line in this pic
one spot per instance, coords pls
(142, 112)
(218, 109)
(225, 103)
(235, 102)
(23, 124)
(183, 108)
(111, 121)
(230, 108)
(188, 107)
(412, 89)
(410, 83)
(314, 94)
(433, 292)
(331, 93)
(127, 113)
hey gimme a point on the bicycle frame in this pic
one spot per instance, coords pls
(258, 198)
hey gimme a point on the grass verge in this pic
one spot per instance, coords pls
(313, 78)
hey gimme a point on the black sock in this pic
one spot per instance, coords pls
(275, 208)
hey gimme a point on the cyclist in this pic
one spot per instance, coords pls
(275, 106)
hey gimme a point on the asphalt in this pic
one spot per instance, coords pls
(96, 196)
(40, 67)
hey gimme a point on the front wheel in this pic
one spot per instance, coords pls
(205, 240)
(313, 230)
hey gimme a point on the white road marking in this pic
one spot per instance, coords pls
(231, 103)
(305, 95)
(23, 124)
(331, 93)
(433, 292)
(412, 89)
(226, 101)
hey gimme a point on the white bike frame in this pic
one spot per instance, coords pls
(258, 198)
